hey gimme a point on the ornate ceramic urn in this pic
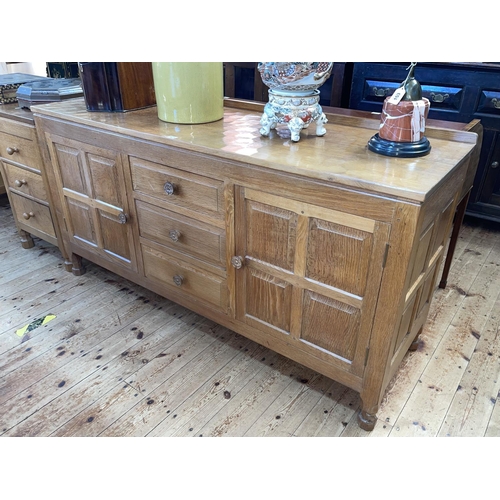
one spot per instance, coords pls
(294, 96)
(402, 122)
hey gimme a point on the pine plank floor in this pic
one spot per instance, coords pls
(119, 360)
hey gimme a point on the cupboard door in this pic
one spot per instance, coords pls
(95, 206)
(309, 274)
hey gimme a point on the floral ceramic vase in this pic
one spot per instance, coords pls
(294, 96)
(189, 92)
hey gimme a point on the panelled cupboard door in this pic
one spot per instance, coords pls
(308, 273)
(95, 208)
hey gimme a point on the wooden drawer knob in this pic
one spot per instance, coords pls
(174, 234)
(11, 151)
(28, 216)
(19, 183)
(169, 188)
(237, 262)
(178, 280)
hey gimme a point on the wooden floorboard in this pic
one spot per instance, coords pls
(119, 360)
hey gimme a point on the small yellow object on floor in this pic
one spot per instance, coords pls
(35, 324)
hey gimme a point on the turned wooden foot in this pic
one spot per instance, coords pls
(77, 266)
(68, 265)
(416, 342)
(26, 239)
(366, 420)
(414, 345)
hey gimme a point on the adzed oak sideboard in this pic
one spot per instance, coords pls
(320, 250)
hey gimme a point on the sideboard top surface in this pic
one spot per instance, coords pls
(341, 156)
(14, 112)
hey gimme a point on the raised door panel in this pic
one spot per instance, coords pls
(308, 273)
(95, 205)
(71, 169)
(81, 221)
(271, 234)
(338, 255)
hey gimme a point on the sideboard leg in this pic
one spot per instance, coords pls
(414, 345)
(78, 268)
(26, 239)
(457, 224)
(366, 420)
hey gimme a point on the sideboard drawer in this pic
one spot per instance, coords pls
(177, 187)
(184, 278)
(182, 234)
(17, 129)
(20, 150)
(33, 214)
(25, 181)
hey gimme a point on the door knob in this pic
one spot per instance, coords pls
(237, 262)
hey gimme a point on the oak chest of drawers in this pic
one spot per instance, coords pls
(21, 167)
(320, 250)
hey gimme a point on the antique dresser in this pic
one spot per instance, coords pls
(320, 250)
(22, 171)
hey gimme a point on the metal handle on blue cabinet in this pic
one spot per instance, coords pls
(438, 97)
(381, 92)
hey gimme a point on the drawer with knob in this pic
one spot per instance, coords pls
(24, 181)
(20, 150)
(182, 234)
(185, 278)
(178, 188)
(32, 214)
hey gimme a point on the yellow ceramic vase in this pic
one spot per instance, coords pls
(189, 92)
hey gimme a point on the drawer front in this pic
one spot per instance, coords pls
(181, 277)
(25, 181)
(33, 214)
(489, 102)
(18, 129)
(20, 149)
(440, 97)
(178, 188)
(182, 234)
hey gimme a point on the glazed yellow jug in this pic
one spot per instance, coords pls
(189, 92)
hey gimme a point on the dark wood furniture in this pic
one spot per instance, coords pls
(321, 250)
(459, 92)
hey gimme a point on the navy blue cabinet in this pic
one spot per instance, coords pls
(458, 92)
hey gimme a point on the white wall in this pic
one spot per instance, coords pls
(31, 68)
